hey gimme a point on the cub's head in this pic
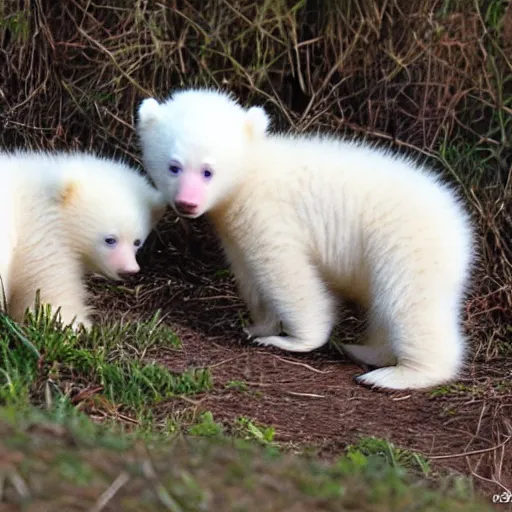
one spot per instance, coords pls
(108, 210)
(194, 146)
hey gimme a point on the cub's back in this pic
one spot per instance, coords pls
(346, 194)
(335, 175)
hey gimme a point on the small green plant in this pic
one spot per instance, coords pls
(371, 447)
(239, 385)
(206, 427)
(224, 272)
(247, 429)
(18, 23)
(456, 388)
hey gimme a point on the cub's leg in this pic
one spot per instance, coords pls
(8, 237)
(7, 247)
(59, 281)
(265, 323)
(429, 347)
(375, 348)
(299, 297)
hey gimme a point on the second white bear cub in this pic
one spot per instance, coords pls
(63, 215)
(305, 220)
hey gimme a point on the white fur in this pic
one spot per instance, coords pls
(55, 212)
(7, 235)
(305, 220)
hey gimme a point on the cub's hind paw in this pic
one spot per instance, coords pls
(399, 377)
(262, 329)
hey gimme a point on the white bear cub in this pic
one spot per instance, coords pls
(308, 219)
(63, 215)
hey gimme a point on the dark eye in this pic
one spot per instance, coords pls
(174, 169)
(207, 174)
(136, 243)
(110, 240)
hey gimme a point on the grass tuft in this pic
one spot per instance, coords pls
(110, 364)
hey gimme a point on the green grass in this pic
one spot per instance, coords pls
(248, 429)
(206, 427)
(56, 465)
(44, 361)
(371, 447)
(239, 385)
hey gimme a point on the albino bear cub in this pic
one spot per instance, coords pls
(62, 215)
(305, 219)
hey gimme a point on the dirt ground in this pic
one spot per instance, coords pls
(312, 399)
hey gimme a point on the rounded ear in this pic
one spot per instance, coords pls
(257, 122)
(149, 111)
(67, 192)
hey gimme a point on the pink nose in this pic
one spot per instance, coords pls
(128, 271)
(186, 206)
